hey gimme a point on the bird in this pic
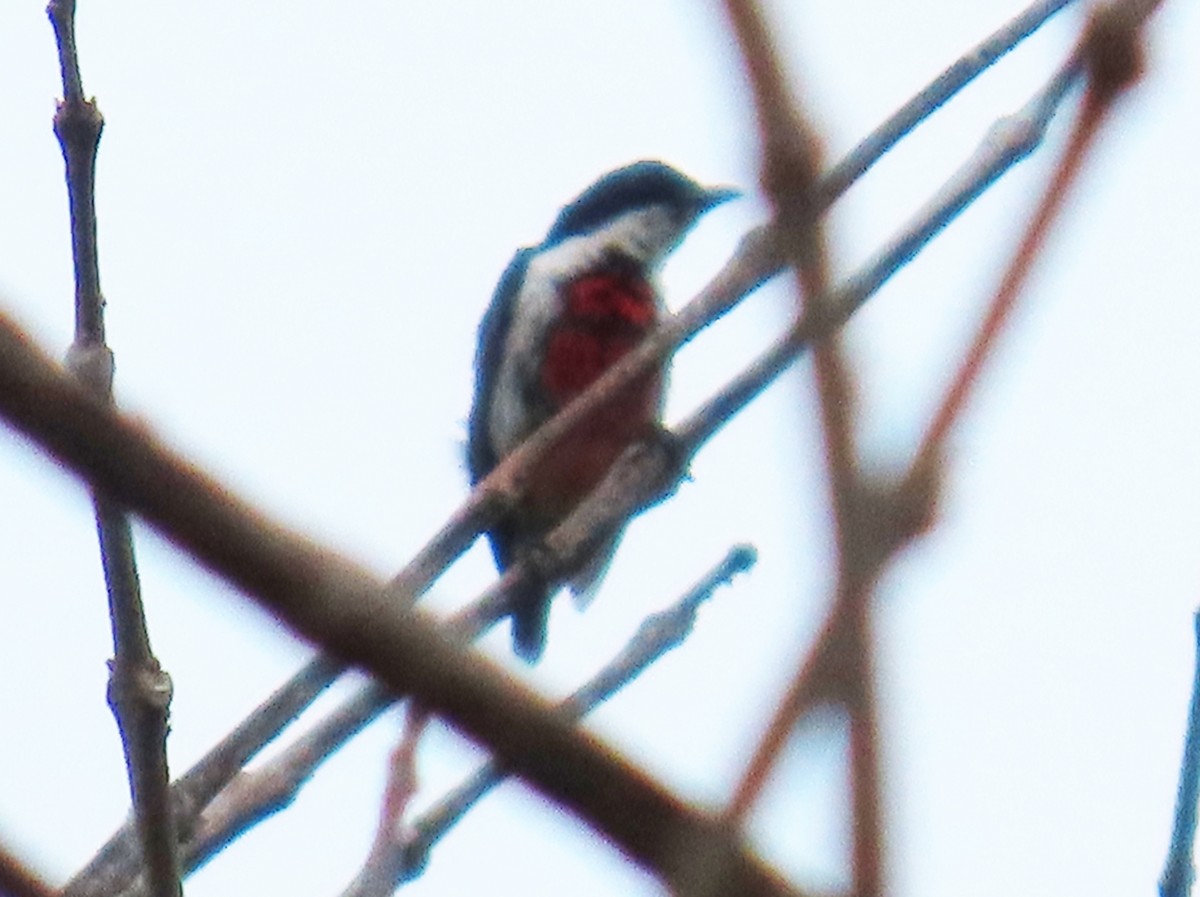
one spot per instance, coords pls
(563, 312)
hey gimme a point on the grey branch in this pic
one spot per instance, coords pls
(139, 690)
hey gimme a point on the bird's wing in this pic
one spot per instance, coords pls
(493, 329)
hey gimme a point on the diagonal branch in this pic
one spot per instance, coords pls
(329, 600)
(118, 862)
(1008, 141)
(1110, 54)
(756, 261)
(838, 667)
(790, 153)
(1179, 871)
(17, 880)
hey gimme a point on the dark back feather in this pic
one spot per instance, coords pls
(493, 330)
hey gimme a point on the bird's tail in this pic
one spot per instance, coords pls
(530, 611)
(531, 607)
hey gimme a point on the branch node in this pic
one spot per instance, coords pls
(78, 124)
(92, 365)
(1113, 50)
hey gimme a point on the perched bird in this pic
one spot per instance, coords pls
(563, 313)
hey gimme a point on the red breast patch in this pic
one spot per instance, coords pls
(604, 316)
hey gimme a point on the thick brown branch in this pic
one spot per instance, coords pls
(327, 599)
(1109, 52)
(16, 880)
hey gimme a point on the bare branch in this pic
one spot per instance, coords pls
(1179, 872)
(867, 526)
(1008, 141)
(1110, 54)
(403, 859)
(16, 879)
(329, 600)
(139, 690)
(964, 70)
(118, 862)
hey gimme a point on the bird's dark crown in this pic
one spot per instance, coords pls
(636, 186)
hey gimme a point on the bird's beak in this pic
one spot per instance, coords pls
(714, 196)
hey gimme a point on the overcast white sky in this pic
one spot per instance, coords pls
(303, 210)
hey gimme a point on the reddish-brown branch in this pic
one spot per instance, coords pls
(816, 683)
(866, 798)
(402, 783)
(840, 667)
(17, 880)
(1111, 53)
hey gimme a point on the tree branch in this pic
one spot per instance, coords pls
(17, 880)
(403, 858)
(1179, 872)
(326, 599)
(139, 690)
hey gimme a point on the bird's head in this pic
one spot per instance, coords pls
(647, 207)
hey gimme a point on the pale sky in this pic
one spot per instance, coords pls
(303, 210)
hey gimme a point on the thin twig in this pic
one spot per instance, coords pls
(1008, 141)
(1179, 871)
(935, 95)
(139, 690)
(405, 858)
(254, 796)
(1108, 52)
(119, 861)
(17, 880)
(818, 680)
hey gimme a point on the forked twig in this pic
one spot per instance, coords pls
(404, 857)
